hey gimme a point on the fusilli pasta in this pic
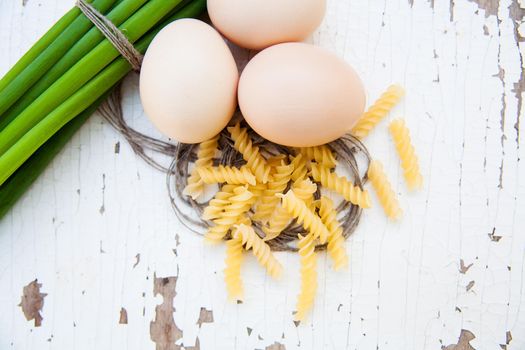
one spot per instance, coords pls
(407, 154)
(280, 219)
(216, 206)
(269, 201)
(306, 217)
(205, 154)
(336, 241)
(378, 111)
(260, 249)
(228, 174)
(385, 194)
(341, 185)
(255, 161)
(300, 168)
(308, 257)
(320, 154)
(232, 271)
(240, 203)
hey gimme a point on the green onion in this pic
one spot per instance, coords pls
(12, 92)
(23, 178)
(15, 156)
(142, 21)
(117, 16)
(40, 46)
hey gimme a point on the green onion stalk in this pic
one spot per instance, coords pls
(117, 16)
(83, 71)
(30, 153)
(18, 85)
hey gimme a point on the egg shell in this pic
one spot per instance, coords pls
(188, 81)
(300, 95)
(257, 24)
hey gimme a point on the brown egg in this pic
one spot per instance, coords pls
(300, 95)
(257, 24)
(188, 81)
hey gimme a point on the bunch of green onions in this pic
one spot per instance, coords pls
(63, 78)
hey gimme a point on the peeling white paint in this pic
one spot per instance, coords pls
(406, 287)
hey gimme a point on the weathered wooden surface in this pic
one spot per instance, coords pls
(98, 232)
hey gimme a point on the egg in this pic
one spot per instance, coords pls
(188, 81)
(257, 24)
(300, 95)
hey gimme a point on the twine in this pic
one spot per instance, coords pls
(347, 150)
(113, 34)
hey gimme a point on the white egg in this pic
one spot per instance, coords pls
(188, 81)
(257, 24)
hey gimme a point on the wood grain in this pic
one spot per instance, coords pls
(450, 272)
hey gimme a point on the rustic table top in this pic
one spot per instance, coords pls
(96, 238)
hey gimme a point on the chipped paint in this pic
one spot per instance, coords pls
(32, 302)
(493, 236)
(470, 285)
(117, 147)
(123, 319)
(276, 346)
(205, 316)
(489, 6)
(137, 260)
(464, 268)
(102, 209)
(163, 330)
(197, 345)
(465, 338)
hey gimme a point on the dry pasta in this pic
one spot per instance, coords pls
(269, 200)
(385, 194)
(308, 257)
(260, 249)
(407, 154)
(300, 168)
(341, 185)
(240, 203)
(306, 217)
(280, 219)
(205, 154)
(378, 111)
(320, 154)
(216, 206)
(250, 153)
(228, 174)
(232, 271)
(336, 248)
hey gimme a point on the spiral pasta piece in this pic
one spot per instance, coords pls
(385, 194)
(320, 154)
(336, 248)
(276, 160)
(269, 201)
(378, 111)
(205, 154)
(216, 206)
(304, 190)
(305, 216)
(341, 185)
(232, 271)
(255, 161)
(228, 174)
(260, 250)
(407, 154)
(239, 204)
(308, 258)
(300, 168)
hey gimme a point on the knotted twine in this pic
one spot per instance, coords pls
(113, 34)
(346, 149)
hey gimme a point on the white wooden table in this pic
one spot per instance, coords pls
(98, 233)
